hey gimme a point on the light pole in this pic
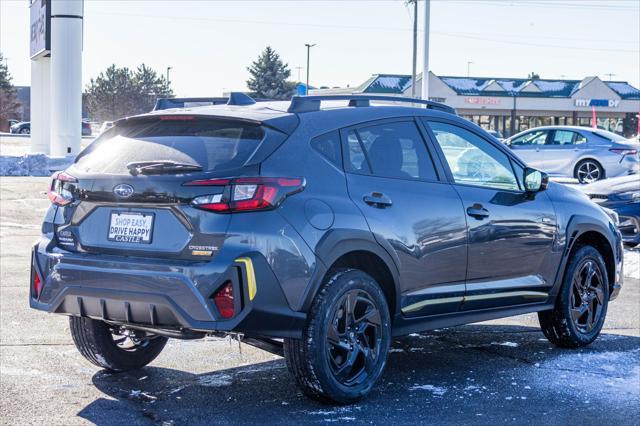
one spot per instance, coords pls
(309, 46)
(168, 69)
(469, 68)
(425, 63)
(415, 48)
(299, 69)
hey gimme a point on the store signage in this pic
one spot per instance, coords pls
(40, 28)
(608, 103)
(481, 100)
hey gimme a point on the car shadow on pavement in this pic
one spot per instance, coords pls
(470, 374)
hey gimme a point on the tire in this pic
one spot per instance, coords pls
(96, 342)
(573, 331)
(25, 131)
(331, 372)
(588, 171)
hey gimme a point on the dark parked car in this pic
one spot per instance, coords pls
(621, 194)
(24, 128)
(317, 232)
(21, 127)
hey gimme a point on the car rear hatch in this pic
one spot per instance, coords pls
(131, 192)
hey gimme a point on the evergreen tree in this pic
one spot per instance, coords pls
(269, 76)
(121, 92)
(9, 104)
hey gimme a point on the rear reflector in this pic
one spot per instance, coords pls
(223, 300)
(37, 285)
(246, 194)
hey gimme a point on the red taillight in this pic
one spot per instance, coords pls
(58, 194)
(224, 300)
(37, 285)
(624, 151)
(246, 194)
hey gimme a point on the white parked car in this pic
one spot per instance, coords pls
(583, 153)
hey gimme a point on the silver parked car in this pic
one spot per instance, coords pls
(583, 153)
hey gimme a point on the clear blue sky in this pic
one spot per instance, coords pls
(210, 44)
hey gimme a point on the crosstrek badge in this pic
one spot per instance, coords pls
(202, 250)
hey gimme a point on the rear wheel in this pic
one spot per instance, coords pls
(25, 131)
(112, 347)
(344, 347)
(581, 308)
(588, 171)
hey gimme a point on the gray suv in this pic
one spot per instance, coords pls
(583, 153)
(317, 230)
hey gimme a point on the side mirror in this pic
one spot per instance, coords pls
(535, 180)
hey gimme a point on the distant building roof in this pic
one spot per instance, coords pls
(492, 86)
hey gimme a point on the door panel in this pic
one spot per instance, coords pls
(510, 232)
(562, 150)
(528, 147)
(425, 226)
(392, 179)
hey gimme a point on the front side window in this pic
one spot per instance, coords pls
(537, 137)
(473, 160)
(393, 150)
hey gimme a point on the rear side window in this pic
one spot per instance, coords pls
(393, 150)
(328, 146)
(212, 144)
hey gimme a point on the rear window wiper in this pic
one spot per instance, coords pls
(161, 167)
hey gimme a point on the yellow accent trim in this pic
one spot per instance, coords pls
(251, 276)
(423, 303)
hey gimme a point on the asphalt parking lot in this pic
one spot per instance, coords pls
(502, 371)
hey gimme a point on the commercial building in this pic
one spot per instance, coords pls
(511, 105)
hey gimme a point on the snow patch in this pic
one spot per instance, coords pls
(32, 164)
(509, 344)
(438, 391)
(632, 264)
(215, 380)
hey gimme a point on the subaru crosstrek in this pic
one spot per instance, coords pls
(318, 230)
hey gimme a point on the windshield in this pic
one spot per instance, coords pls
(211, 144)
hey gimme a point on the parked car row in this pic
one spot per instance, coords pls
(583, 153)
(24, 128)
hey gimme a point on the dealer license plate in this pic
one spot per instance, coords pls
(131, 227)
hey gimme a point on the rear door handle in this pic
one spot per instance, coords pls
(477, 211)
(377, 199)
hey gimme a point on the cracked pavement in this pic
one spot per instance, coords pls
(501, 371)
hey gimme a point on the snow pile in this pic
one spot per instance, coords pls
(632, 264)
(32, 164)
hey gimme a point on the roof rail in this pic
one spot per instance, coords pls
(312, 103)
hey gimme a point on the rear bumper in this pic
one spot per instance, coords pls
(160, 294)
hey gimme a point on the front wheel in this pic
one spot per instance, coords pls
(581, 308)
(113, 348)
(589, 171)
(345, 343)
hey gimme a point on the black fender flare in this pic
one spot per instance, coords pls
(338, 242)
(577, 226)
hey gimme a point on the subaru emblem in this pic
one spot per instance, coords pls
(123, 190)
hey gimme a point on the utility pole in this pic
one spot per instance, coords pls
(168, 69)
(610, 74)
(309, 46)
(469, 68)
(299, 68)
(415, 48)
(425, 64)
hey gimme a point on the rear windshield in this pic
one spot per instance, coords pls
(212, 144)
(613, 137)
